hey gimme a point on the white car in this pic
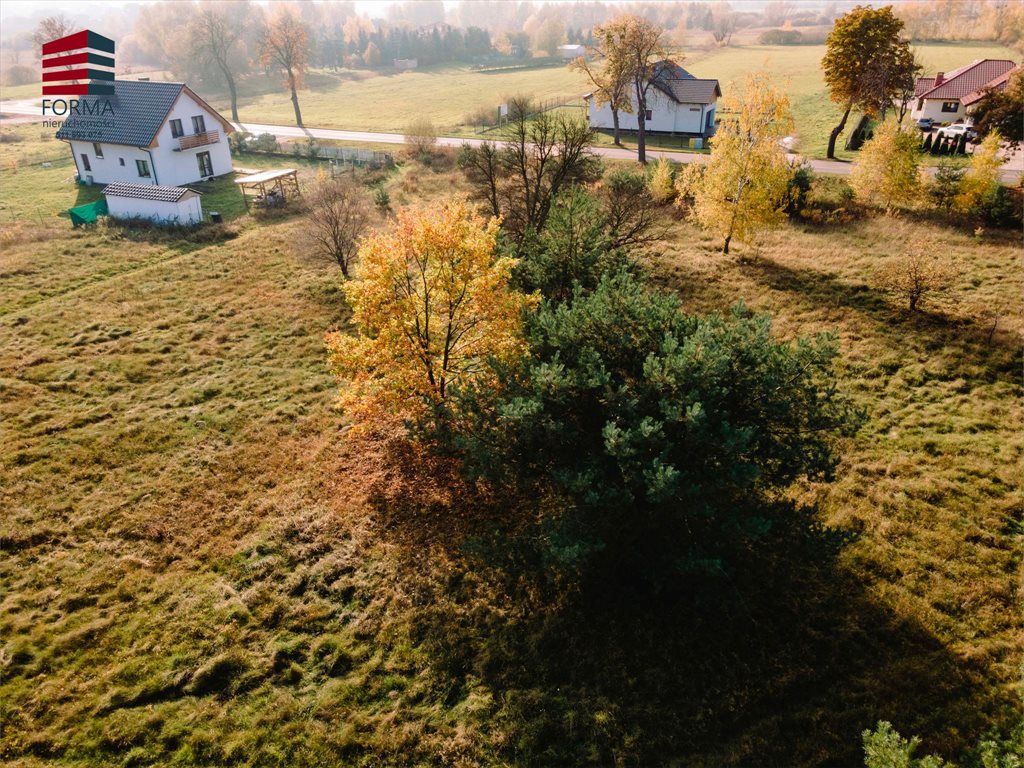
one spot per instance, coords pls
(956, 131)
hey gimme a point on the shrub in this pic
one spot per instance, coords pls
(265, 142)
(780, 37)
(801, 179)
(661, 184)
(885, 748)
(240, 141)
(19, 74)
(382, 200)
(945, 186)
(338, 218)
(886, 171)
(916, 277)
(420, 137)
(980, 183)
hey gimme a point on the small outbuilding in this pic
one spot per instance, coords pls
(162, 205)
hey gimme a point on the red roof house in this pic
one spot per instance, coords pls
(945, 97)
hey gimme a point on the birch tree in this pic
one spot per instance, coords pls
(742, 190)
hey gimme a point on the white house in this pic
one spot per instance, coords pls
(572, 51)
(947, 97)
(159, 204)
(677, 102)
(152, 133)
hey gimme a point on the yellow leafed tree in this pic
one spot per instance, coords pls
(431, 304)
(886, 172)
(742, 190)
(981, 182)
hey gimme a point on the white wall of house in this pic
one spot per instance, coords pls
(933, 108)
(117, 163)
(178, 168)
(667, 115)
(188, 210)
(166, 166)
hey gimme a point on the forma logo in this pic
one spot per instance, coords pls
(81, 64)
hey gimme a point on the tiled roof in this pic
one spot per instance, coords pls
(146, 191)
(139, 107)
(999, 84)
(679, 85)
(964, 81)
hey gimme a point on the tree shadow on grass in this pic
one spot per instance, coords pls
(970, 340)
(780, 661)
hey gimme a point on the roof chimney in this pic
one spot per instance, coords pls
(939, 79)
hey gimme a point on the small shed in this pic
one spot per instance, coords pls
(163, 205)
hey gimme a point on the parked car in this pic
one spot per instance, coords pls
(925, 123)
(956, 131)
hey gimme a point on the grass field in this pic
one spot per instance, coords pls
(446, 95)
(365, 101)
(201, 569)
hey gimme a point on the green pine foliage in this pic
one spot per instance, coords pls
(667, 437)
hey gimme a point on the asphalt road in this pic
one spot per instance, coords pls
(1010, 173)
(22, 110)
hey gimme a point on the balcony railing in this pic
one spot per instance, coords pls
(198, 140)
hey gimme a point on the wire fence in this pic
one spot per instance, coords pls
(535, 108)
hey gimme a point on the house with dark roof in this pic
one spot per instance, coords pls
(948, 96)
(149, 133)
(677, 102)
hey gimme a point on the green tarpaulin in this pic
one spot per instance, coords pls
(87, 214)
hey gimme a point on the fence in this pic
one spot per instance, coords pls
(536, 108)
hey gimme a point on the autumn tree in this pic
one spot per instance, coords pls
(743, 189)
(638, 46)
(431, 305)
(866, 63)
(980, 183)
(371, 56)
(1002, 111)
(338, 219)
(284, 46)
(610, 74)
(541, 155)
(886, 172)
(50, 28)
(215, 34)
(661, 184)
(916, 276)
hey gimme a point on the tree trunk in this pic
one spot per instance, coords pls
(641, 141)
(234, 95)
(725, 248)
(615, 124)
(295, 99)
(835, 134)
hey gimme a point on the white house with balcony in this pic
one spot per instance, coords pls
(152, 133)
(677, 103)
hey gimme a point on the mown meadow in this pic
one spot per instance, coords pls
(201, 566)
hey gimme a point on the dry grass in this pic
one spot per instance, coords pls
(200, 569)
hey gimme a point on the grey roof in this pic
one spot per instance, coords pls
(692, 90)
(147, 191)
(139, 106)
(679, 85)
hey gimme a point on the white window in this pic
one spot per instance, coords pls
(143, 168)
(198, 124)
(98, 150)
(951, 106)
